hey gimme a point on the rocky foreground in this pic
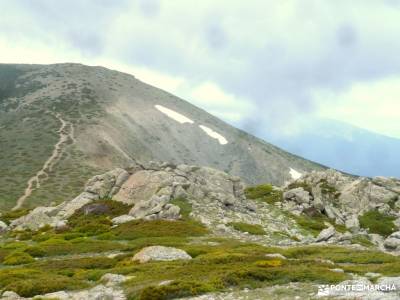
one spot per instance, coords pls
(200, 230)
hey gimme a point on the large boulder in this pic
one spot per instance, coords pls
(393, 241)
(157, 207)
(160, 253)
(298, 195)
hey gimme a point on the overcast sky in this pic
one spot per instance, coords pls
(256, 64)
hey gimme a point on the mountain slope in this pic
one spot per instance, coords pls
(344, 147)
(61, 124)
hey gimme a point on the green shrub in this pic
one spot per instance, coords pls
(377, 222)
(176, 289)
(259, 191)
(184, 205)
(250, 228)
(264, 192)
(45, 283)
(18, 258)
(15, 245)
(79, 245)
(339, 254)
(314, 225)
(158, 228)
(76, 263)
(361, 240)
(9, 216)
(35, 251)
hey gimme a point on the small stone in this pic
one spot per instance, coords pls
(122, 219)
(275, 255)
(337, 270)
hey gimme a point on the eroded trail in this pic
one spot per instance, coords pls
(34, 182)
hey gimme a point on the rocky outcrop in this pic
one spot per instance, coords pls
(149, 188)
(342, 198)
(160, 253)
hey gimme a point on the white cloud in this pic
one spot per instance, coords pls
(259, 63)
(211, 97)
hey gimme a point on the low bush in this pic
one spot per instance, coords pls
(264, 192)
(176, 289)
(78, 245)
(184, 205)
(9, 216)
(76, 263)
(18, 258)
(35, 251)
(250, 228)
(377, 222)
(361, 240)
(42, 283)
(158, 228)
(339, 254)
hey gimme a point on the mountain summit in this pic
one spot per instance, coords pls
(61, 124)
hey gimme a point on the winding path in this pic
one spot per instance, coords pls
(34, 182)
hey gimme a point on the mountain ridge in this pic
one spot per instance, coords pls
(113, 118)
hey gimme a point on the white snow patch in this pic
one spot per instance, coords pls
(215, 135)
(295, 174)
(173, 114)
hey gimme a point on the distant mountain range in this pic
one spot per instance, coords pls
(343, 147)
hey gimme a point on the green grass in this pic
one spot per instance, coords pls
(250, 228)
(264, 192)
(377, 222)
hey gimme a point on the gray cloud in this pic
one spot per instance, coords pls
(272, 54)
